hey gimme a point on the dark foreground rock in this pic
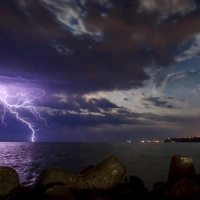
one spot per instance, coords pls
(137, 186)
(157, 184)
(105, 181)
(58, 192)
(26, 193)
(55, 176)
(105, 175)
(181, 166)
(183, 189)
(158, 192)
(133, 188)
(181, 182)
(9, 183)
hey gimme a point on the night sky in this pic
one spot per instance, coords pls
(112, 70)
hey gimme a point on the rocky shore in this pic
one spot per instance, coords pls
(105, 181)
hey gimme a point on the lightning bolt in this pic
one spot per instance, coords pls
(20, 102)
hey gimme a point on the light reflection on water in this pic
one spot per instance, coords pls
(148, 161)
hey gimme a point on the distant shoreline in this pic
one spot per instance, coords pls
(183, 139)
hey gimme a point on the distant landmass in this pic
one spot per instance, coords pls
(184, 139)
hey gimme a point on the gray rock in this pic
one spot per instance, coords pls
(183, 189)
(181, 166)
(9, 182)
(105, 175)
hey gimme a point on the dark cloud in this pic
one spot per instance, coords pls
(78, 103)
(78, 120)
(160, 102)
(87, 51)
(136, 126)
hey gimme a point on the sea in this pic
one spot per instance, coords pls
(149, 161)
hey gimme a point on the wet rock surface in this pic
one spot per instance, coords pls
(9, 182)
(105, 181)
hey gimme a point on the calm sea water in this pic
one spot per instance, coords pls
(149, 161)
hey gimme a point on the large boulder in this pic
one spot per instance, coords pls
(105, 175)
(9, 182)
(181, 166)
(183, 189)
(51, 176)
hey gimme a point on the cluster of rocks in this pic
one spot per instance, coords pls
(105, 181)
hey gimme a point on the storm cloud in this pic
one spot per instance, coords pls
(89, 45)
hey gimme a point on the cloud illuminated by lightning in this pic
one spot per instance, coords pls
(22, 102)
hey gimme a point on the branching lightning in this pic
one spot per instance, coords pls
(22, 102)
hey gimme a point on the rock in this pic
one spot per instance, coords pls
(158, 192)
(99, 195)
(181, 166)
(53, 176)
(198, 179)
(183, 189)
(156, 184)
(9, 182)
(86, 169)
(125, 179)
(26, 193)
(122, 191)
(136, 186)
(105, 175)
(58, 192)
